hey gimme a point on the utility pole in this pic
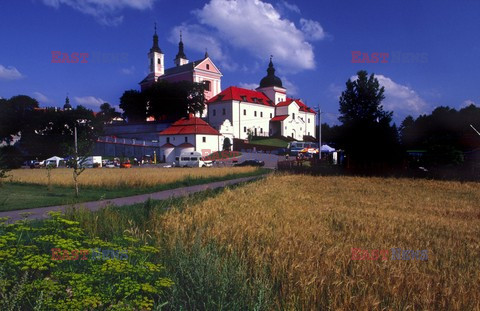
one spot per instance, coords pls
(319, 132)
(76, 144)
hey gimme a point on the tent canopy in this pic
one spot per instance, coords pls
(327, 148)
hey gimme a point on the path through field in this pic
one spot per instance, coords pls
(40, 213)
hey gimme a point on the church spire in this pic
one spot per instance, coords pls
(67, 105)
(181, 53)
(206, 53)
(155, 47)
(181, 58)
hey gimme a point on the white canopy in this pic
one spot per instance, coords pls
(54, 158)
(327, 148)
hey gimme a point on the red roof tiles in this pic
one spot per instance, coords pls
(302, 106)
(279, 118)
(191, 125)
(236, 93)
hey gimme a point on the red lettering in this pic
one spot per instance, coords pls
(383, 56)
(205, 153)
(66, 255)
(374, 58)
(74, 255)
(375, 254)
(84, 253)
(56, 57)
(83, 56)
(355, 254)
(55, 253)
(384, 253)
(356, 57)
(365, 58)
(65, 58)
(74, 58)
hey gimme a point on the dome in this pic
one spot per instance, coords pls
(271, 79)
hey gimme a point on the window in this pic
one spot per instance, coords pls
(285, 127)
(214, 112)
(224, 112)
(168, 140)
(261, 114)
(244, 112)
(244, 98)
(261, 130)
(208, 66)
(204, 139)
(186, 139)
(254, 113)
(158, 61)
(308, 120)
(244, 129)
(308, 133)
(207, 85)
(271, 116)
(293, 116)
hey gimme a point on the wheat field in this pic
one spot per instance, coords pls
(301, 229)
(114, 178)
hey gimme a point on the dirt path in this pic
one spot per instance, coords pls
(41, 212)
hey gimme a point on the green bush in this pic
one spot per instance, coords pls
(31, 280)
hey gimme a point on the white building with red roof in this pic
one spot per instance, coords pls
(186, 135)
(267, 111)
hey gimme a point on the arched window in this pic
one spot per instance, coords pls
(208, 67)
(158, 61)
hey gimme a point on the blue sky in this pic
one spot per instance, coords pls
(433, 46)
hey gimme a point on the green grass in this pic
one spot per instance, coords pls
(205, 277)
(270, 142)
(18, 196)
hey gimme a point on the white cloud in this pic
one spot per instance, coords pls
(258, 28)
(10, 73)
(400, 99)
(106, 12)
(128, 71)
(312, 29)
(468, 102)
(248, 86)
(198, 38)
(41, 97)
(90, 101)
(284, 5)
(292, 89)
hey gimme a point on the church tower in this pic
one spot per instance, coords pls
(181, 58)
(272, 86)
(155, 57)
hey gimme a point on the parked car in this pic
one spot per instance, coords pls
(110, 164)
(126, 164)
(250, 163)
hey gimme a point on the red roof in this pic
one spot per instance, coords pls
(279, 118)
(186, 145)
(167, 145)
(236, 93)
(192, 125)
(302, 106)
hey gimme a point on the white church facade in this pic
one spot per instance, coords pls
(234, 112)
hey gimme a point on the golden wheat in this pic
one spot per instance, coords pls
(302, 228)
(112, 178)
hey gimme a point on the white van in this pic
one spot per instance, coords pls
(191, 159)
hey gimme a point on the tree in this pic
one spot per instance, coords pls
(16, 114)
(107, 113)
(366, 134)
(134, 105)
(164, 101)
(227, 144)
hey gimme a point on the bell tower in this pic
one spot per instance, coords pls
(156, 58)
(181, 58)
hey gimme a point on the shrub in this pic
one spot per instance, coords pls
(30, 279)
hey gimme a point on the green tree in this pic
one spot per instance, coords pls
(134, 105)
(227, 144)
(107, 113)
(366, 133)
